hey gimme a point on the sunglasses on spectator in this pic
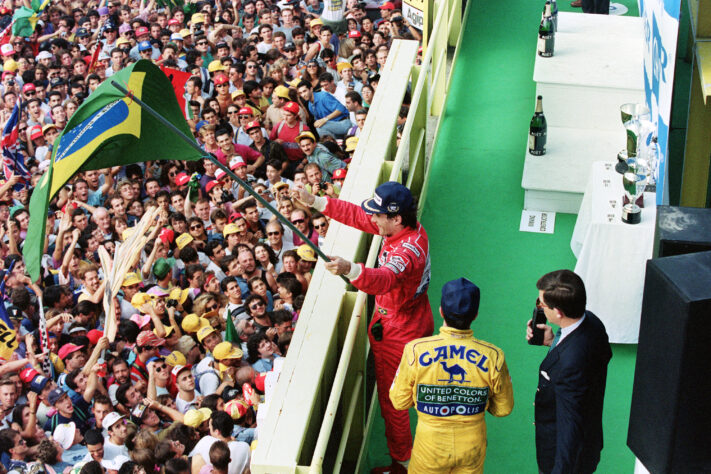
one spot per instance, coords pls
(298, 221)
(201, 43)
(160, 368)
(195, 227)
(212, 307)
(173, 173)
(256, 305)
(232, 112)
(149, 348)
(251, 66)
(245, 116)
(274, 233)
(318, 226)
(222, 85)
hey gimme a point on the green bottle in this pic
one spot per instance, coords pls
(538, 131)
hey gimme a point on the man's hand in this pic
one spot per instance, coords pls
(303, 196)
(547, 333)
(320, 122)
(338, 265)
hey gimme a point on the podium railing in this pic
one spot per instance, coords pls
(319, 417)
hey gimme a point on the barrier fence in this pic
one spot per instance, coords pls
(319, 416)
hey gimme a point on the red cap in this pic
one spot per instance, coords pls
(253, 124)
(28, 87)
(177, 369)
(182, 179)
(8, 73)
(246, 111)
(292, 107)
(211, 185)
(220, 79)
(36, 132)
(142, 30)
(387, 6)
(173, 21)
(27, 375)
(234, 216)
(67, 349)
(94, 335)
(339, 174)
(236, 162)
(354, 34)
(166, 235)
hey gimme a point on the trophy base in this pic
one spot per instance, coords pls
(621, 167)
(639, 202)
(631, 216)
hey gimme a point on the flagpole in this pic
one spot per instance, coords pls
(191, 141)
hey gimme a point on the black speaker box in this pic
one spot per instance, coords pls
(670, 418)
(682, 230)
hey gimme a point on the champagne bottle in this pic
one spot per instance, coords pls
(538, 130)
(554, 14)
(546, 34)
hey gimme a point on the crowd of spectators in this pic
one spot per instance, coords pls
(279, 92)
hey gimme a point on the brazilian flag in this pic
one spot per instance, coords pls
(25, 19)
(109, 129)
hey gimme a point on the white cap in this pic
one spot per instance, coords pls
(111, 419)
(7, 49)
(44, 55)
(64, 434)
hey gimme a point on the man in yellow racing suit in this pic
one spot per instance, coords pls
(451, 379)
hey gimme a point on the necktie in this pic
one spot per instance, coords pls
(555, 340)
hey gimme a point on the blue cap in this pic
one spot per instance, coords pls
(81, 33)
(390, 198)
(460, 299)
(144, 46)
(55, 395)
(38, 383)
(200, 124)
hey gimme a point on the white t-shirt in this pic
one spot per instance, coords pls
(333, 10)
(183, 406)
(239, 453)
(112, 450)
(206, 376)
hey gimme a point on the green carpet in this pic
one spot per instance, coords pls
(472, 215)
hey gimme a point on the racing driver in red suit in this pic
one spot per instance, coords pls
(399, 284)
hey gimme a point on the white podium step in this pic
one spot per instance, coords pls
(597, 66)
(556, 181)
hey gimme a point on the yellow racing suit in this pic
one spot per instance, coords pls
(451, 379)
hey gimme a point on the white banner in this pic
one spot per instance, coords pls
(661, 27)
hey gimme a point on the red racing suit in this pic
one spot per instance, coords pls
(402, 308)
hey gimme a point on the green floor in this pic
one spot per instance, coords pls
(472, 216)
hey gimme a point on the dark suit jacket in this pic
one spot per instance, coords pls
(571, 389)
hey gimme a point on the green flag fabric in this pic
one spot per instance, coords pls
(231, 331)
(109, 129)
(25, 21)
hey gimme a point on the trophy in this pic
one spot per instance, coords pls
(636, 120)
(634, 180)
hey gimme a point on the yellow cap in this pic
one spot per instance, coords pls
(139, 299)
(175, 358)
(225, 350)
(10, 65)
(197, 18)
(316, 21)
(343, 65)
(183, 240)
(216, 65)
(121, 41)
(179, 294)
(351, 143)
(185, 32)
(305, 135)
(194, 418)
(306, 253)
(282, 92)
(131, 279)
(230, 229)
(238, 93)
(204, 331)
(192, 323)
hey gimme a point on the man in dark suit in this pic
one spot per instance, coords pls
(571, 380)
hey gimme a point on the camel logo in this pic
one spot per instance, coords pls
(455, 370)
